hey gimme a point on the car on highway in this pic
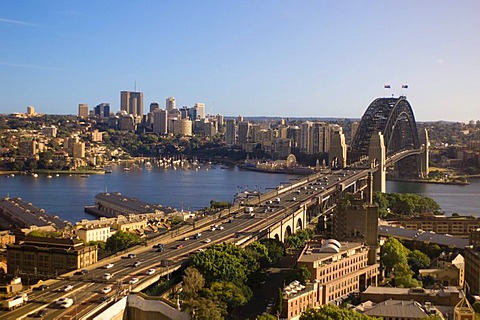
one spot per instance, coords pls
(133, 280)
(208, 240)
(41, 287)
(131, 255)
(179, 246)
(150, 272)
(186, 239)
(104, 298)
(160, 249)
(108, 266)
(106, 290)
(213, 228)
(158, 245)
(66, 288)
(220, 228)
(196, 236)
(66, 304)
(40, 313)
(200, 250)
(107, 276)
(80, 273)
(136, 264)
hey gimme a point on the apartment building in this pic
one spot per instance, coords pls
(341, 268)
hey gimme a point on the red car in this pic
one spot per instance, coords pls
(179, 246)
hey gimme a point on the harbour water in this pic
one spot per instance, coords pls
(192, 189)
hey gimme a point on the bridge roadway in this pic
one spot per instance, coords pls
(238, 227)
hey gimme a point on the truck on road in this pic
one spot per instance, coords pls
(14, 302)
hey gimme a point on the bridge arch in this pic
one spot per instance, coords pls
(299, 225)
(394, 118)
(288, 232)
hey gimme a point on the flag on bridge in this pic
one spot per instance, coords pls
(405, 86)
(386, 86)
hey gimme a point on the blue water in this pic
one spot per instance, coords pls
(67, 195)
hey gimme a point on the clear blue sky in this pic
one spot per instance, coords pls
(255, 58)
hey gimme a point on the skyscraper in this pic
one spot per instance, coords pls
(160, 121)
(243, 132)
(102, 110)
(200, 110)
(83, 110)
(231, 132)
(154, 106)
(132, 102)
(170, 104)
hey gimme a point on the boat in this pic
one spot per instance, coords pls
(57, 175)
(107, 169)
(49, 176)
(126, 169)
(35, 175)
(84, 176)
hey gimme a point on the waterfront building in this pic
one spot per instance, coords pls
(160, 121)
(78, 150)
(243, 133)
(83, 110)
(28, 148)
(182, 127)
(170, 104)
(281, 148)
(219, 118)
(297, 298)
(230, 132)
(132, 102)
(341, 268)
(294, 134)
(48, 257)
(115, 204)
(16, 213)
(460, 226)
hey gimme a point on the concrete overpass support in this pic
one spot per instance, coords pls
(424, 158)
(338, 151)
(376, 153)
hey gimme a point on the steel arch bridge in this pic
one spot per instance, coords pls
(394, 118)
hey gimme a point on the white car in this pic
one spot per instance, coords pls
(107, 276)
(220, 228)
(207, 240)
(67, 303)
(133, 280)
(106, 290)
(66, 288)
(150, 272)
(61, 300)
(108, 266)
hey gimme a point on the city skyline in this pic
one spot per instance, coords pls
(286, 59)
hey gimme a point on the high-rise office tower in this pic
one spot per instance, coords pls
(83, 110)
(200, 110)
(31, 110)
(230, 132)
(170, 104)
(154, 106)
(102, 110)
(243, 132)
(132, 102)
(160, 121)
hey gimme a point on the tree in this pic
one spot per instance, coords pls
(266, 316)
(259, 252)
(393, 253)
(301, 273)
(228, 295)
(329, 312)
(121, 240)
(193, 282)
(404, 277)
(418, 260)
(45, 234)
(275, 248)
(203, 309)
(476, 306)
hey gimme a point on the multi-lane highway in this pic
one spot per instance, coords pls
(130, 274)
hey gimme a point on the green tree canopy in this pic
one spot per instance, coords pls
(393, 253)
(228, 295)
(418, 260)
(121, 240)
(193, 282)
